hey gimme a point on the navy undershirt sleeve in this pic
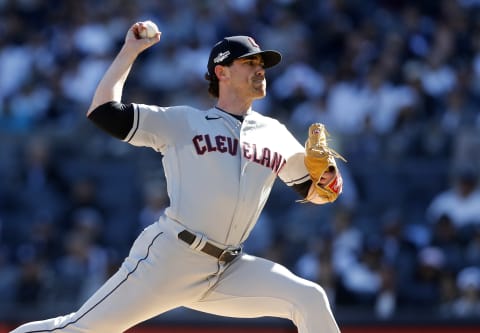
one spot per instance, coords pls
(302, 188)
(114, 118)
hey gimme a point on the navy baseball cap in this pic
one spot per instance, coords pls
(236, 47)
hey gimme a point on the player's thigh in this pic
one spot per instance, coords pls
(159, 274)
(134, 293)
(254, 287)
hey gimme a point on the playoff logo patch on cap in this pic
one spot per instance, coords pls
(221, 57)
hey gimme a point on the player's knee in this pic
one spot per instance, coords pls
(315, 314)
(322, 297)
(314, 299)
(312, 304)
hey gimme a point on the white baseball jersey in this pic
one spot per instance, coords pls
(219, 170)
(219, 174)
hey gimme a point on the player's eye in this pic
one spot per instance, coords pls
(255, 62)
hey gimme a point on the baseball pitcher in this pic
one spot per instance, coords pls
(220, 165)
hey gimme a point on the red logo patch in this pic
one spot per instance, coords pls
(253, 42)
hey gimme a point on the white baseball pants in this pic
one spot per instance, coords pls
(162, 273)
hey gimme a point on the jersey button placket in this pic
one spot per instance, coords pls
(233, 233)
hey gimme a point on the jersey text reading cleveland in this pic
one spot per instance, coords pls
(206, 144)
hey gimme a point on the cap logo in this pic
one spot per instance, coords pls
(253, 42)
(221, 57)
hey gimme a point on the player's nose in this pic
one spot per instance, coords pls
(260, 71)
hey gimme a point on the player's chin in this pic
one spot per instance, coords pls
(259, 96)
(259, 92)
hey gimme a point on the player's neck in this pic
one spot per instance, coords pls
(239, 117)
(234, 106)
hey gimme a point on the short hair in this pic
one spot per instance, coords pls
(213, 88)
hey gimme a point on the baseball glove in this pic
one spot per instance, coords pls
(320, 158)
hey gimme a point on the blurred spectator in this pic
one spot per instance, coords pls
(342, 103)
(155, 200)
(82, 201)
(458, 113)
(15, 66)
(38, 180)
(448, 238)
(383, 100)
(472, 250)
(40, 170)
(82, 269)
(461, 202)
(438, 77)
(448, 294)
(312, 110)
(298, 82)
(347, 241)
(399, 251)
(43, 236)
(79, 80)
(386, 299)
(29, 106)
(466, 146)
(392, 235)
(34, 281)
(89, 223)
(468, 302)
(316, 265)
(363, 280)
(7, 271)
(423, 287)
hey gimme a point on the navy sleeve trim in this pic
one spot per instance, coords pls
(114, 118)
(136, 122)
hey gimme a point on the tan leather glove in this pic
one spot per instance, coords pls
(320, 159)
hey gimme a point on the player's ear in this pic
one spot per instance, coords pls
(221, 72)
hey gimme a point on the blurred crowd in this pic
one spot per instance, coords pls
(397, 84)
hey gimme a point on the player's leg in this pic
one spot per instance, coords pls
(254, 287)
(152, 280)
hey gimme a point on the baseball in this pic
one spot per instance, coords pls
(149, 31)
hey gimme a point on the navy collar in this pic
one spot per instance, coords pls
(231, 114)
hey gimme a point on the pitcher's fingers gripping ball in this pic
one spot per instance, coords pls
(321, 165)
(147, 29)
(143, 33)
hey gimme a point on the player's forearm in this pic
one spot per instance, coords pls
(111, 86)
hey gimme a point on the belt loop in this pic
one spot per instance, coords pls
(202, 241)
(196, 241)
(199, 242)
